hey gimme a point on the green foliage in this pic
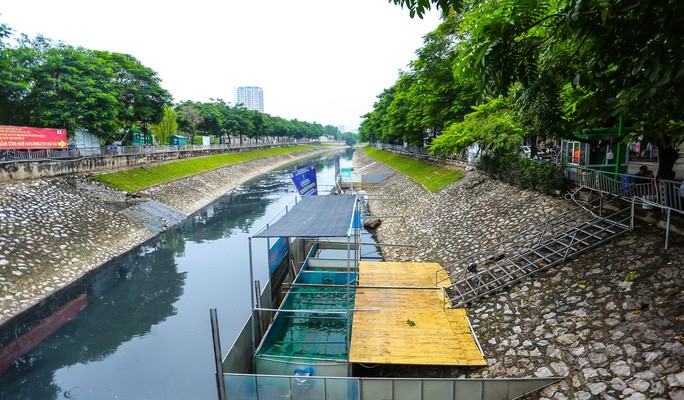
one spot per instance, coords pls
(431, 176)
(419, 7)
(492, 124)
(565, 65)
(584, 63)
(218, 118)
(48, 84)
(167, 127)
(425, 99)
(632, 275)
(141, 178)
(545, 177)
(349, 138)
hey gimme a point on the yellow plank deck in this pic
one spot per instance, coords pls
(438, 336)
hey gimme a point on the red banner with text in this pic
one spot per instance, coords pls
(22, 137)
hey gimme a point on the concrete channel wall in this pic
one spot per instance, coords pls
(21, 170)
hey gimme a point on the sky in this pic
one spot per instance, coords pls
(318, 61)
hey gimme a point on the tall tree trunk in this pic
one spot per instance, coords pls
(666, 160)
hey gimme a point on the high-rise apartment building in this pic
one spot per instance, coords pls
(251, 97)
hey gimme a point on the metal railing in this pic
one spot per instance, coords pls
(419, 152)
(649, 191)
(665, 194)
(9, 155)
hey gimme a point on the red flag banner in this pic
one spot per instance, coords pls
(21, 137)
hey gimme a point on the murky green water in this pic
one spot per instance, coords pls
(139, 327)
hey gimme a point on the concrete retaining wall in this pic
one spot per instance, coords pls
(21, 170)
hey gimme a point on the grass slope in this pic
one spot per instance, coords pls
(431, 176)
(140, 178)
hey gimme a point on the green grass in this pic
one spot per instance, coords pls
(140, 178)
(431, 176)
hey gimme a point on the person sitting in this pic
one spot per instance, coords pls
(642, 179)
(644, 175)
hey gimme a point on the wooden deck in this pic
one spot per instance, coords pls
(411, 325)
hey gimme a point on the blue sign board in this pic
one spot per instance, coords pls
(305, 181)
(276, 254)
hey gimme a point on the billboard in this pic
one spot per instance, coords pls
(305, 181)
(22, 137)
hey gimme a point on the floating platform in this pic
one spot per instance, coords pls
(401, 319)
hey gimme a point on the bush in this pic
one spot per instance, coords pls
(545, 177)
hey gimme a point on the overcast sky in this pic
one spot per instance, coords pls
(319, 61)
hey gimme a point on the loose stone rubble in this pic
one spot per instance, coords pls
(53, 231)
(610, 338)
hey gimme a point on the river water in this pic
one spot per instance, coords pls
(138, 328)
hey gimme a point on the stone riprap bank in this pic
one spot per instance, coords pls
(609, 337)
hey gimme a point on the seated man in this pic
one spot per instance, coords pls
(642, 178)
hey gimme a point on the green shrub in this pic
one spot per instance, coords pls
(545, 177)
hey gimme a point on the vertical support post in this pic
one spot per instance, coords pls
(631, 216)
(216, 337)
(667, 229)
(348, 338)
(251, 297)
(270, 295)
(618, 150)
(257, 289)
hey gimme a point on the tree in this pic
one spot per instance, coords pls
(137, 88)
(189, 118)
(492, 123)
(425, 99)
(50, 84)
(600, 61)
(419, 7)
(65, 87)
(167, 127)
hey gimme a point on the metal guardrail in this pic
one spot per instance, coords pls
(665, 194)
(420, 152)
(8, 155)
(648, 191)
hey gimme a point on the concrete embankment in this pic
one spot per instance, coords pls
(610, 336)
(55, 230)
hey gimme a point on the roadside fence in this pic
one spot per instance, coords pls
(418, 152)
(8, 155)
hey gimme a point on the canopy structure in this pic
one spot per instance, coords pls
(315, 216)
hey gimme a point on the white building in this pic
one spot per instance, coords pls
(251, 97)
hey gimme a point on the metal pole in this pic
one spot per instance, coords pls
(667, 229)
(216, 337)
(251, 297)
(631, 217)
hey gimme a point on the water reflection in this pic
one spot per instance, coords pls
(135, 292)
(138, 327)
